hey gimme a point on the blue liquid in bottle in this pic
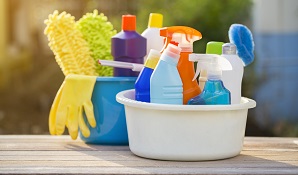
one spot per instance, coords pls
(214, 93)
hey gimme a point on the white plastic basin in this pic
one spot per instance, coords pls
(184, 132)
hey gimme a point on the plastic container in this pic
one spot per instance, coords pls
(212, 47)
(232, 79)
(184, 132)
(128, 46)
(165, 83)
(154, 40)
(142, 85)
(214, 92)
(184, 36)
(109, 114)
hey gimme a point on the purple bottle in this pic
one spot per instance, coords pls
(128, 46)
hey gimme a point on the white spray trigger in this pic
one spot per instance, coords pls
(197, 73)
(204, 61)
(194, 58)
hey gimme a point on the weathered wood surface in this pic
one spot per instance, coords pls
(61, 155)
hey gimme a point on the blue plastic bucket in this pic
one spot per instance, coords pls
(109, 114)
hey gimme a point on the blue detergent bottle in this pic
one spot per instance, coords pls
(165, 83)
(214, 92)
(142, 85)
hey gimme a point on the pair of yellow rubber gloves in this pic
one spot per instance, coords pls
(72, 99)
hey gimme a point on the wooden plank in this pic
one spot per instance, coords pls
(147, 170)
(61, 155)
(65, 153)
(98, 153)
(119, 155)
(254, 163)
(285, 152)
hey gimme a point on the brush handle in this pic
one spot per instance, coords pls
(133, 66)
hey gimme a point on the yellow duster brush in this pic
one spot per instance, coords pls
(98, 31)
(67, 43)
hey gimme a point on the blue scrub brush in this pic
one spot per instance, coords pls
(241, 36)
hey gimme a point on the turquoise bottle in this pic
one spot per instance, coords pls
(142, 85)
(214, 92)
(165, 83)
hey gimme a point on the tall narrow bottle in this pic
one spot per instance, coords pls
(154, 40)
(233, 78)
(142, 85)
(165, 83)
(128, 46)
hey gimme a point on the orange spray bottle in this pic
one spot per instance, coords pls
(185, 36)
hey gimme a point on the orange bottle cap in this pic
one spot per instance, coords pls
(129, 22)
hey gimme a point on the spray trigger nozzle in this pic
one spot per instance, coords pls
(214, 64)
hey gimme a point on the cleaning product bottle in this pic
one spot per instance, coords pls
(142, 85)
(233, 78)
(185, 36)
(165, 82)
(128, 46)
(214, 92)
(154, 40)
(212, 47)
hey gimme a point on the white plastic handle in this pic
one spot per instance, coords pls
(133, 66)
(137, 67)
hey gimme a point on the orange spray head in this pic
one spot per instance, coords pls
(183, 35)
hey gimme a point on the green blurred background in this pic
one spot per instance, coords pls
(30, 77)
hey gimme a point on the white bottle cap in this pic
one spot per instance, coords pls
(229, 49)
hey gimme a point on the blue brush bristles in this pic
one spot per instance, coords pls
(241, 36)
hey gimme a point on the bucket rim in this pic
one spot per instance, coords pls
(122, 97)
(116, 78)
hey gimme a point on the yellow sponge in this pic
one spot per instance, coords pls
(71, 50)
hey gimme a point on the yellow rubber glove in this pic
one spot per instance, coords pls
(72, 98)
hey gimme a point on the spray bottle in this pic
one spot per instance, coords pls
(214, 92)
(128, 46)
(233, 78)
(185, 36)
(165, 82)
(212, 47)
(142, 85)
(154, 40)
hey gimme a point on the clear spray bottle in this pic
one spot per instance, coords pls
(214, 92)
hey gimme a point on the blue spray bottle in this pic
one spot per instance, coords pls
(214, 92)
(165, 83)
(142, 85)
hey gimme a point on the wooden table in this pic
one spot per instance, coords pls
(61, 155)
